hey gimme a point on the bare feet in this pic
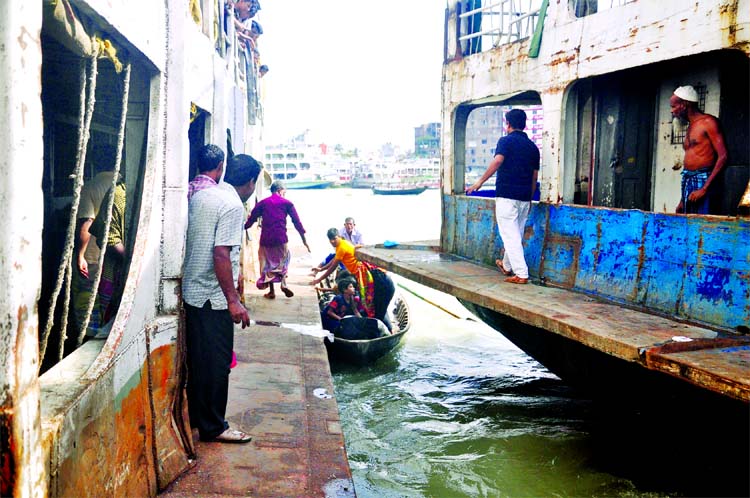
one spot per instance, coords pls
(287, 291)
(270, 295)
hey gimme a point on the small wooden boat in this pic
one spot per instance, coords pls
(397, 189)
(364, 351)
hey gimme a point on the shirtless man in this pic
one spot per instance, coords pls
(705, 152)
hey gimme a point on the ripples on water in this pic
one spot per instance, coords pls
(458, 410)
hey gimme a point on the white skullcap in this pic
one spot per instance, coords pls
(687, 93)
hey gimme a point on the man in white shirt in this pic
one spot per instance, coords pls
(350, 233)
(212, 303)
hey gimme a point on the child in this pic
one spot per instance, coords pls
(346, 303)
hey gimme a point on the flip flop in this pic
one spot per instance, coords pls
(499, 264)
(268, 295)
(232, 436)
(287, 291)
(515, 279)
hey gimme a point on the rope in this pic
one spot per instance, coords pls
(85, 114)
(110, 203)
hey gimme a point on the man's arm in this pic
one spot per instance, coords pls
(223, 270)
(534, 177)
(491, 169)
(83, 242)
(713, 133)
(329, 267)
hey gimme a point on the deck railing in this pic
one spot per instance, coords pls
(484, 25)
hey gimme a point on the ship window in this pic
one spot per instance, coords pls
(679, 130)
(72, 308)
(583, 8)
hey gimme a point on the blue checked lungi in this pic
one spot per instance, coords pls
(692, 181)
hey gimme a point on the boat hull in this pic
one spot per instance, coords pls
(291, 185)
(592, 371)
(398, 191)
(362, 352)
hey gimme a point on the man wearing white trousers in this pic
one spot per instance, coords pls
(516, 162)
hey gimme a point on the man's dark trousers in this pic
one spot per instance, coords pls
(210, 338)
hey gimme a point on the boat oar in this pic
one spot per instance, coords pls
(434, 304)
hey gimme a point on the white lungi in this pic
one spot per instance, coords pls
(511, 222)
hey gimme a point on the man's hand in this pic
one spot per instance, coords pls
(239, 313)
(473, 188)
(83, 267)
(308, 247)
(697, 195)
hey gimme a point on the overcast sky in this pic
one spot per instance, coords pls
(359, 73)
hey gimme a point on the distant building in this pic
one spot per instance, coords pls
(427, 140)
(486, 125)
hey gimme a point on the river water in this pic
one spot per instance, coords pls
(459, 411)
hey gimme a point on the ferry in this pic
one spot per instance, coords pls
(152, 81)
(299, 167)
(627, 297)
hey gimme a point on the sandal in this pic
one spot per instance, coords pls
(287, 291)
(232, 436)
(269, 295)
(499, 264)
(515, 279)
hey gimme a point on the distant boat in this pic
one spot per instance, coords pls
(298, 168)
(397, 189)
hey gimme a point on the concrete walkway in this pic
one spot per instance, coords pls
(275, 395)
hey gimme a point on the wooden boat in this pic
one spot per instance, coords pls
(364, 351)
(397, 189)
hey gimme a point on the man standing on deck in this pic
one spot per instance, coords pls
(212, 303)
(705, 152)
(517, 165)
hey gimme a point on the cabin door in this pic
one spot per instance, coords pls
(624, 130)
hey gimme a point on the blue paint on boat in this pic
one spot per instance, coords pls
(694, 268)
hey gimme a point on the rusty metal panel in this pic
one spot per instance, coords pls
(691, 267)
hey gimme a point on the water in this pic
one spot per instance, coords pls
(458, 410)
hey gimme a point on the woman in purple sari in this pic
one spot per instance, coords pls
(273, 254)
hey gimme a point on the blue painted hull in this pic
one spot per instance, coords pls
(692, 268)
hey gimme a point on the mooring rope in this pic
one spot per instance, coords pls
(110, 203)
(85, 114)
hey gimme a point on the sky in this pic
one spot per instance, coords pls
(357, 73)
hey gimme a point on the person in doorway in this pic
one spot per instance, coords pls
(210, 169)
(705, 151)
(350, 233)
(87, 251)
(516, 162)
(376, 289)
(273, 253)
(212, 303)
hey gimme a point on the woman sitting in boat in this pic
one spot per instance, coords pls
(376, 288)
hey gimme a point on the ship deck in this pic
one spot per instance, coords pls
(709, 359)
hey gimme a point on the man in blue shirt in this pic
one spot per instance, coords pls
(516, 162)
